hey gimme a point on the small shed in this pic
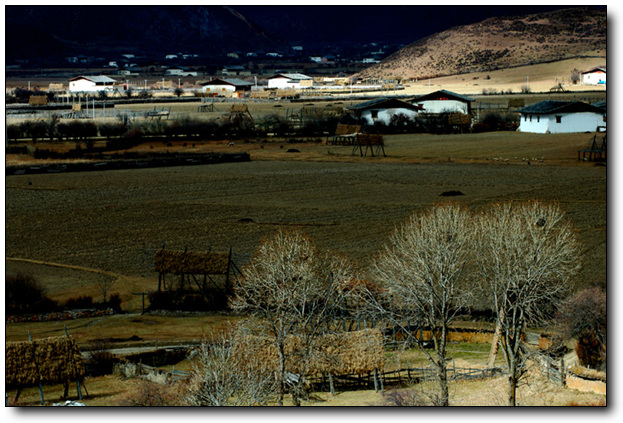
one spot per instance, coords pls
(383, 109)
(216, 86)
(557, 117)
(290, 80)
(595, 76)
(444, 101)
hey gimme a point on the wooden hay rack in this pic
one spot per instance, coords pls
(344, 135)
(206, 106)
(596, 152)
(372, 143)
(191, 270)
(337, 354)
(157, 113)
(238, 113)
(76, 112)
(44, 361)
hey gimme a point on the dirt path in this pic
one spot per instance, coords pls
(65, 266)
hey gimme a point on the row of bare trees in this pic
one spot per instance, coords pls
(519, 257)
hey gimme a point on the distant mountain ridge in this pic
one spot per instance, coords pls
(51, 31)
(499, 43)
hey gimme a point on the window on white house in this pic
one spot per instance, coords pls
(558, 119)
(374, 114)
(538, 118)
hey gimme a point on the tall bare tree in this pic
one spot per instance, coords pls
(290, 286)
(422, 273)
(528, 256)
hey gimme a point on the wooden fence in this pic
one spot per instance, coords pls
(401, 377)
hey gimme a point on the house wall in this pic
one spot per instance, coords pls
(569, 122)
(218, 88)
(443, 106)
(385, 115)
(594, 78)
(82, 85)
(285, 83)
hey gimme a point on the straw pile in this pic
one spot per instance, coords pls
(38, 100)
(50, 360)
(181, 262)
(339, 354)
(350, 353)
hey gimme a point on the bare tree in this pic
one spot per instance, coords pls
(422, 273)
(218, 379)
(528, 256)
(583, 316)
(291, 287)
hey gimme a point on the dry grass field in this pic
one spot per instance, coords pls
(113, 221)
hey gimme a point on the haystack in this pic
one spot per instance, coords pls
(338, 354)
(49, 360)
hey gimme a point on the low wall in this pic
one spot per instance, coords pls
(585, 385)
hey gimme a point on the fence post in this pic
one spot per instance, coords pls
(563, 372)
(376, 380)
(34, 354)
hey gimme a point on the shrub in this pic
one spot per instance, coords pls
(83, 301)
(211, 300)
(111, 130)
(404, 398)
(13, 132)
(86, 301)
(150, 394)
(100, 360)
(26, 295)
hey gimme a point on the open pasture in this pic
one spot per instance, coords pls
(114, 221)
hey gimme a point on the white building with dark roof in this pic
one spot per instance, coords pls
(383, 110)
(595, 76)
(91, 83)
(217, 86)
(558, 117)
(444, 101)
(295, 81)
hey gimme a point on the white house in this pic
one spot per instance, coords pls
(596, 76)
(443, 101)
(383, 109)
(217, 86)
(179, 71)
(290, 80)
(91, 83)
(235, 70)
(558, 117)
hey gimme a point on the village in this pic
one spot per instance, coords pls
(274, 229)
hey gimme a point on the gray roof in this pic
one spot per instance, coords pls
(231, 81)
(295, 76)
(550, 106)
(444, 93)
(384, 103)
(96, 79)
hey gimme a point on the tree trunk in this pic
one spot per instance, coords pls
(512, 383)
(444, 398)
(280, 375)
